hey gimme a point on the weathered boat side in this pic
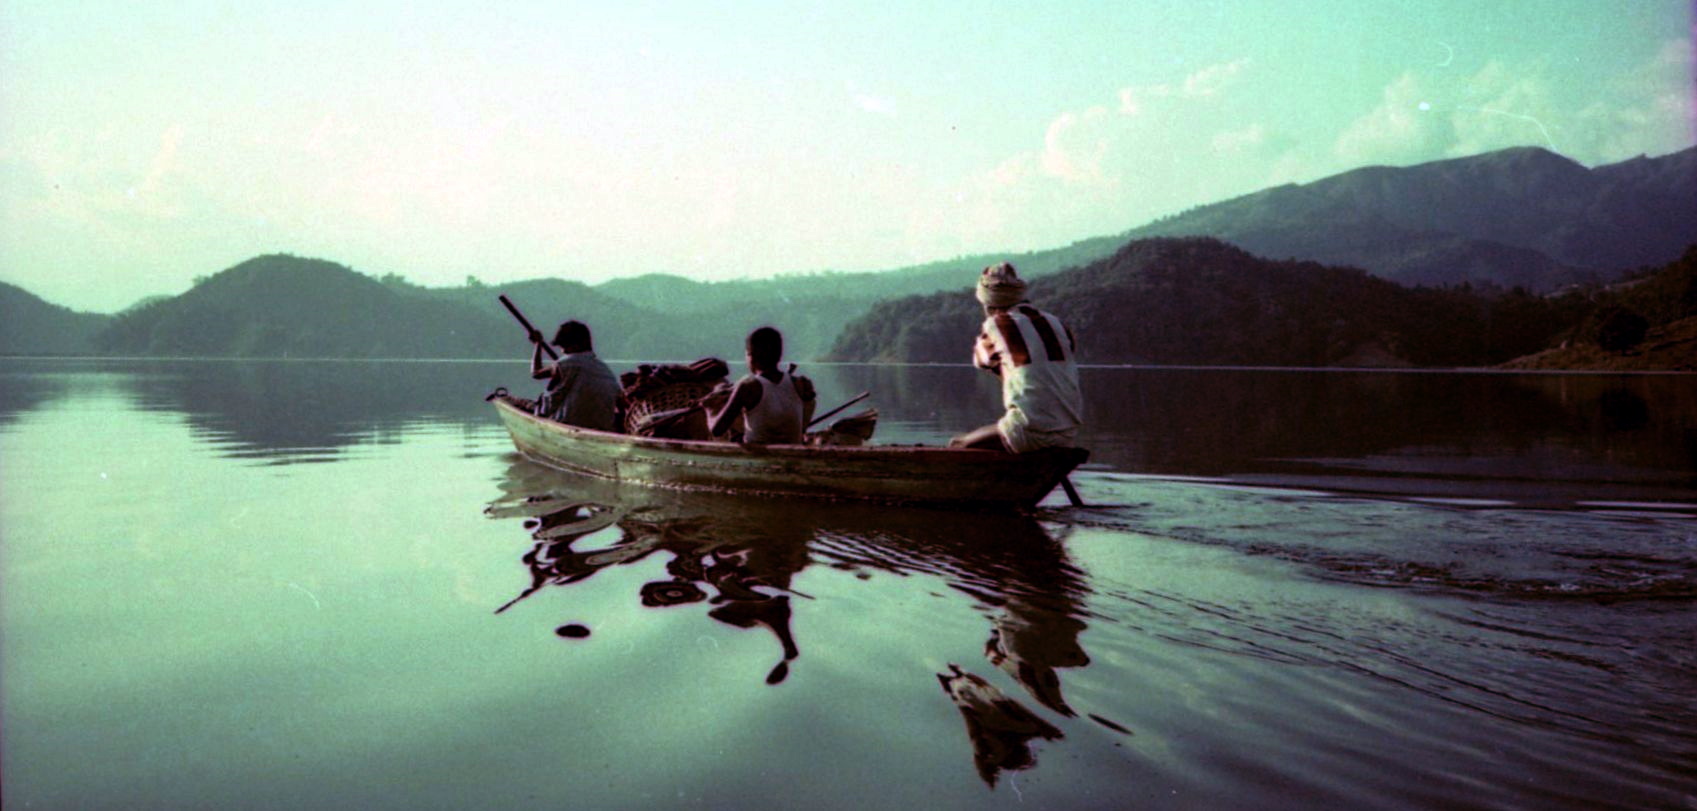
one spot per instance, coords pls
(918, 475)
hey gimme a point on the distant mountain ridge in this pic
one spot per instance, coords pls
(292, 307)
(1517, 217)
(1521, 217)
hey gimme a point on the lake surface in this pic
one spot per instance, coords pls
(302, 585)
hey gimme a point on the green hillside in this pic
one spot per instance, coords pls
(812, 309)
(1515, 217)
(31, 326)
(285, 306)
(1201, 301)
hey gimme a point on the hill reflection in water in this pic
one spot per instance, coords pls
(737, 558)
(1528, 439)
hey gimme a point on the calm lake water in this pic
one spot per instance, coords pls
(301, 585)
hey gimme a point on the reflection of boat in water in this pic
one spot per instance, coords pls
(895, 474)
(737, 558)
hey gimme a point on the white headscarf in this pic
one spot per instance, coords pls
(1000, 286)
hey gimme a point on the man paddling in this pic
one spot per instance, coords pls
(581, 390)
(1034, 355)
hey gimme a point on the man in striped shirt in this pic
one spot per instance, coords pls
(1035, 356)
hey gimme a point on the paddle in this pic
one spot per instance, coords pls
(529, 330)
(677, 414)
(833, 412)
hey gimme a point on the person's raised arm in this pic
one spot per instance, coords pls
(537, 370)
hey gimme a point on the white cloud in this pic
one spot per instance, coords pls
(1210, 80)
(1232, 141)
(1155, 148)
(1501, 107)
(1079, 146)
(164, 161)
(1074, 146)
(1427, 117)
(1133, 100)
(1011, 172)
(1403, 128)
(877, 105)
(1651, 110)
(871, 102)
(1292, 167)
(1152, 149)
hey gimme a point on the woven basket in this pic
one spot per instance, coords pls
(665, 398)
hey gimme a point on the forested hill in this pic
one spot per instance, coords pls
(1201, 301)
(1522, 217)
(667, 293)
(293, 307)
(1516, 217)
(31, 326)
(285, 306)
(1167, 300)
(1646, 323)
(812, 308)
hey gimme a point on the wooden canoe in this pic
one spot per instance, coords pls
(903, 474)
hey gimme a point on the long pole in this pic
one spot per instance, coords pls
(1072, 494)
(529, 330)
(833, 412)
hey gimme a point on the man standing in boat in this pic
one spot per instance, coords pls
(1035, 356)
(775, 406)
(581, 390)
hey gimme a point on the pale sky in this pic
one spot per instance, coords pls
(145, 143)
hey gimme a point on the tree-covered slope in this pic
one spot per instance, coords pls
(1648, 322)
(1520, 217)
(285, 306)
(1515, 217)
(1201, 301)
(812, 309)
(32, 326)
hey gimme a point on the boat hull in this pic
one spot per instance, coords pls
(891, 474)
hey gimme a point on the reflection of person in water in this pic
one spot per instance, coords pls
(1033, 598)
(1034, 594)
(999, 727)
(741, 572)
(747, 567)
(739, 556)
(1032, 637)
(1034, 630)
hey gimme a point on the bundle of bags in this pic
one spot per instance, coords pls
(675, 401)
(662, 400)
